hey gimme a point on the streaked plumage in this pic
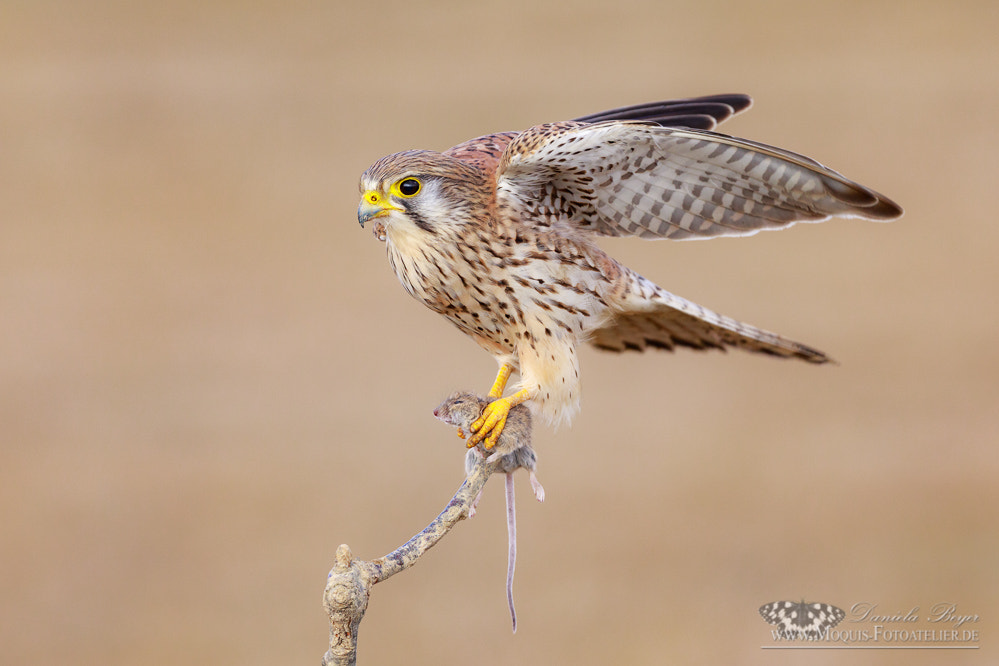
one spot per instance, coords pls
(499, 234)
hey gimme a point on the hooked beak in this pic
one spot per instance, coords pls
(373, 205)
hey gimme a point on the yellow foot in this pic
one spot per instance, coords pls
(489, 426)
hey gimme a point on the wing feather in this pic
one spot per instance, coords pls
(638, 179)
(696, 112)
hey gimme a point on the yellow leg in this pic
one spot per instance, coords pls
(489, 426)
(501, 377)
(496, 391)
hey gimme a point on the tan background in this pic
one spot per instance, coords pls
(209, 377)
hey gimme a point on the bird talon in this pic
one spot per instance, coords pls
(491, 440)
(477, 423)
(489, 425)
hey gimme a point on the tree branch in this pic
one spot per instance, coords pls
(349, 583)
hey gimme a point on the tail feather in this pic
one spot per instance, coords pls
(653, 317)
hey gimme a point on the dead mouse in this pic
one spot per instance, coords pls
(513, 451)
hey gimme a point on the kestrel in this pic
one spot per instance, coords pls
(498, 235)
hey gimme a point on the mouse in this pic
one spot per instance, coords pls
(513, 450)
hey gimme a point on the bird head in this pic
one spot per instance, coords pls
(418, 189)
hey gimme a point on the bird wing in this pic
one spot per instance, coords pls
(626, 178)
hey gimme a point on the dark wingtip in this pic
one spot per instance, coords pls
(886, 209)
(865, 201)
(694, 112)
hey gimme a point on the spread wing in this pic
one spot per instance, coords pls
(626, 178)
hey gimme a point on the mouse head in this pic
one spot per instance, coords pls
(460, 408)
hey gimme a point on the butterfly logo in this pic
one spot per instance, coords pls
(804, 621)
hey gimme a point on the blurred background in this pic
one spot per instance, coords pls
(210, 378)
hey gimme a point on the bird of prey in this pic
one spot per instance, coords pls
(498, 235)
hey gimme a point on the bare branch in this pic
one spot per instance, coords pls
(349, 583)
(456, 510)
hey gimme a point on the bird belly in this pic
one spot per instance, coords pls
(556, 306)
(549, 370)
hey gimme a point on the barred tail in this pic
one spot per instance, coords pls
(649, 316)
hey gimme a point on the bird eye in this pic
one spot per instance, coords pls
(409, 187)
